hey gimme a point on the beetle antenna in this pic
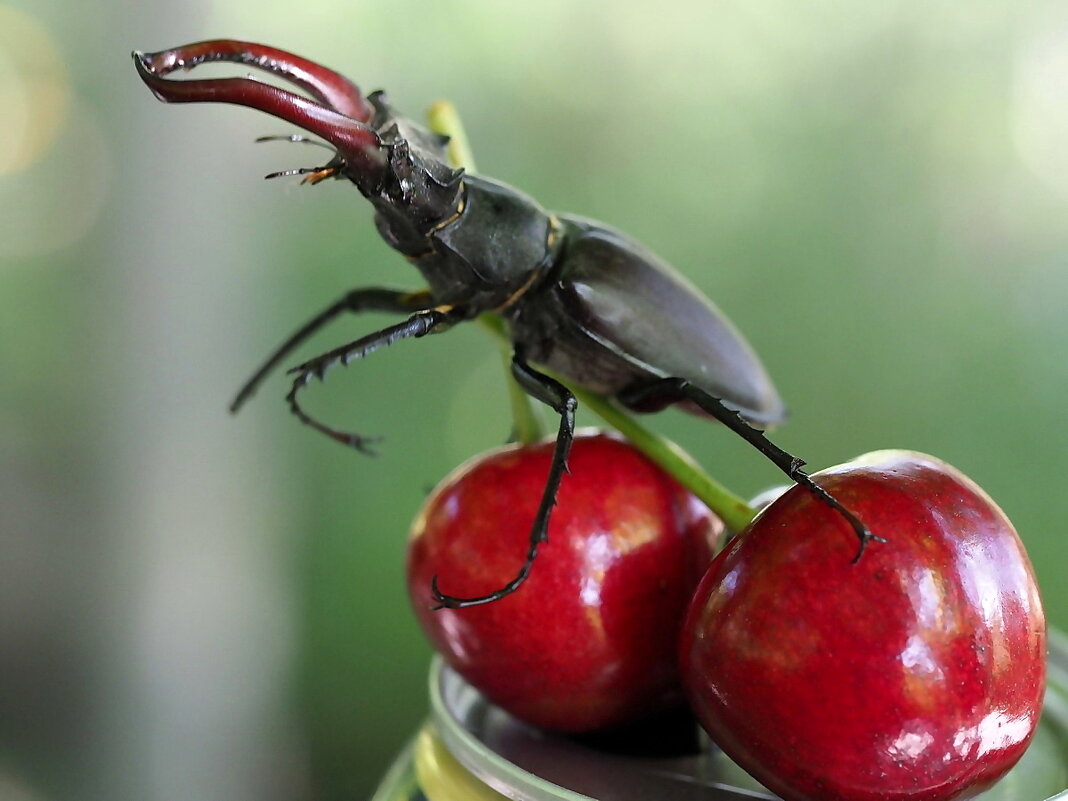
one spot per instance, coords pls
(285, 173)
(313, 175)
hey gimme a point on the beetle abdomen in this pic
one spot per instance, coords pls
(648, 316)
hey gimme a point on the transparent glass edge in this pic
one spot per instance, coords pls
(488, 766)
(399, 782)
(528, 787)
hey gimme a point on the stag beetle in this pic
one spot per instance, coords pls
(579, 298)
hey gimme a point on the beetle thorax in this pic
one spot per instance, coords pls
(498, 244)
(477, 242)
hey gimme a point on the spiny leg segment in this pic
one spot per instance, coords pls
(418, 325)
(356, 300)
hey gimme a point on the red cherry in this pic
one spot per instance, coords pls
(915, 673)
(590, 639)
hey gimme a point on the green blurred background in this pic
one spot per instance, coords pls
(200, 607)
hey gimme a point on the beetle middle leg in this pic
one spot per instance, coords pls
(555, 395)
(674, 389)
(356, 300)
(418, 325)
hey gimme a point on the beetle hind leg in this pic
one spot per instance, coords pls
(668, 390)
(555, 395)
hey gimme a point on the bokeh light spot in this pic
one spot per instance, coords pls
(1040, 113)
(56, 204)
(34, 90)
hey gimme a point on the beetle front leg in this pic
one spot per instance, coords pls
(555, 395)
(418, 325)
(675, 389)
(356, 300)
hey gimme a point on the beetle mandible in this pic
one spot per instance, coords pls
(579, 298)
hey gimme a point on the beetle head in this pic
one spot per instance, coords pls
(417, 188)
(398, 165)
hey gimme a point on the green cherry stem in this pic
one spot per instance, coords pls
(527, 423)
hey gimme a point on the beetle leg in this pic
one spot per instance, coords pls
(356, 300)
(555, 395)
(679, 388)
(418, 325)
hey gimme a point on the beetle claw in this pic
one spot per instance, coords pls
(865, 537)
(329, 88)
(351, 439)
